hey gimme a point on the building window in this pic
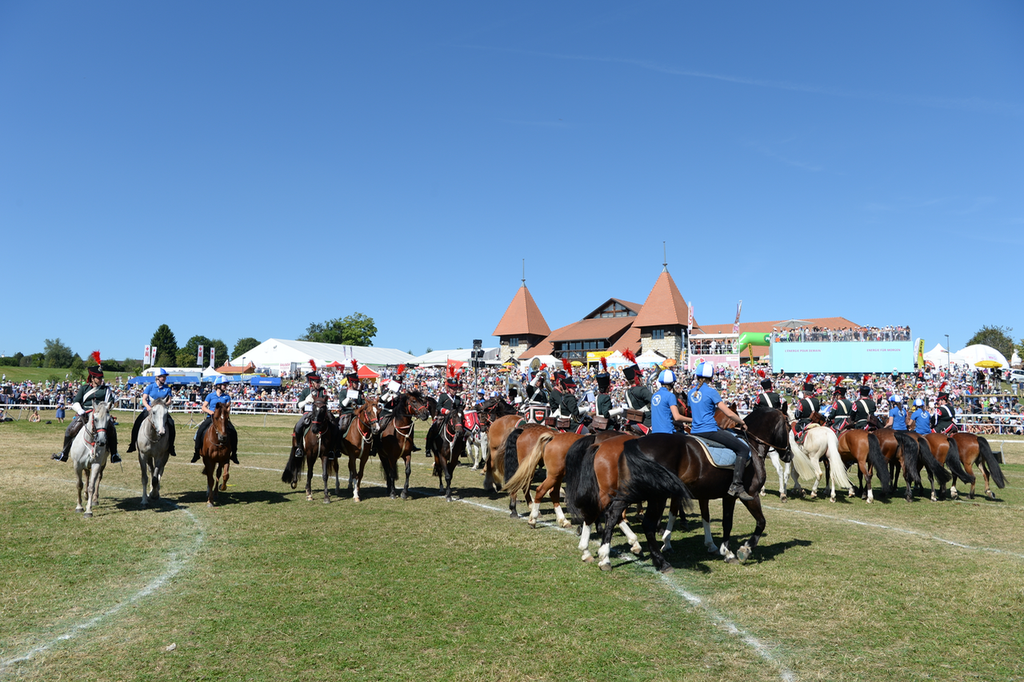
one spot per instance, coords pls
(513, 341)
(657, 334)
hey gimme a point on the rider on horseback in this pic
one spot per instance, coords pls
(840, 416)
(570, 407)
(805, 407)
(603, 406)
(664, 405)
(864, 407)
(310, 394)
(703, 400)
(767, 397)
(218, 395)
(352, 399)
(449, 403)
(392, 389)
(945, 416)
(92, 392)
(897, 414)
(922, 420)
(158, 390)
(638, 396)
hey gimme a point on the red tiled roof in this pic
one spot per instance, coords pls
(231, 369)
(597, 328)
(635, 307)
(522, 317)
(664, 306)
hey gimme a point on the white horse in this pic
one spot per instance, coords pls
(89, 452)
(820, 442)
(154, 444)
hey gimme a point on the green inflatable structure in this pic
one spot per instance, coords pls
(747, 339)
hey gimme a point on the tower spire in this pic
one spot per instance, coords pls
(524, 272)
(664, 254)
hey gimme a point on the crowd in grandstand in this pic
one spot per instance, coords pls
(890, 333)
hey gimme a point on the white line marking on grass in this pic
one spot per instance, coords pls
(176, 562)
(904, 531)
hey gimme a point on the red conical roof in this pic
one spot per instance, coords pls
(522, 317)
(664, 306)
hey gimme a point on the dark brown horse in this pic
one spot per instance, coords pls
(971, 448)
(320, 441)
(603, 479)
(447, 445)
(219, 441)
(863, 449)
(946, 454)
(766, 428)
(394, 442)
(357, 443)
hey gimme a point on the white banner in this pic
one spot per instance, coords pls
(689, 318)
(152, 355)
(145, 357)
(213, 356)
(199, 357)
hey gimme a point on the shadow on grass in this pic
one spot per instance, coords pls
(223, 499)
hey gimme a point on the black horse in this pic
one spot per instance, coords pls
(446, 441)
(394, 442)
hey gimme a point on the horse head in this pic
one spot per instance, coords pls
(770, 427)
(98, 424)
(158, 416)
(417, 405)
(220, 422)
(321, 416)
(369, 415)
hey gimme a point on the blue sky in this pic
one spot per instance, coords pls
(244, 169)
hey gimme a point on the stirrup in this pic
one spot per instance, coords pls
(736, 490)
(59, 456)
(115, 458)
(299, 454)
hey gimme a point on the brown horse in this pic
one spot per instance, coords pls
(863, 449)
(357, 443)
(320, 441)
(394, 442)
(603, 479)
(219, 441)
(551, 447)
(766, 428)
(946, 454)
(447, 445)
(971, 448)
(497, 435)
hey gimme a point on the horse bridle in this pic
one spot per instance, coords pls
(91, 427)
(363, 420)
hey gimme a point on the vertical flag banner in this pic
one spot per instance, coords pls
(145, 357)
(920, 353)
(199, 357)
(689, 318)
(213, 355)
(736, 324)
(152, 355)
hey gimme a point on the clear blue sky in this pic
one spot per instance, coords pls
(240, 169)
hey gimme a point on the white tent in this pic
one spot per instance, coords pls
(650, 357)
(551, 361)
(979, 352)
(938, 355)
(273, 353)
(441, 357)
(617, 359)
(1015, 360)
(211, 372)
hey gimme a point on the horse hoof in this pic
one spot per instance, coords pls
(87, 515)
(327, 500)
(605, 565)
(744, 553)
(209, 505)
(990, 495)
(783, 498)
(532, 522)
(513, 515)
(666, 569)
(309, 498)
(832, 499)
(565, 523)
(636, 549)
(731, 559)
(588, 558)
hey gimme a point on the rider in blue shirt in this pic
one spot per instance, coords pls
(158, 390)
(665, 406)
(703, 400)
(921, 418)
(218, 395)
(897, 414)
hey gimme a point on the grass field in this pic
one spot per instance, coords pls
(268, 586)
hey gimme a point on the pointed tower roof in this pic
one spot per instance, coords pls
(522, 317)
(664, 305)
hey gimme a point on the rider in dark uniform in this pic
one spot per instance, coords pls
(448, 403)
(392, 389)
(807, 405)
(158, 390)
(570, 407)
(945, 415)
(842, 409)
(767, 397)
(349, 398)
(603, 404)
(638, 396)
(863, 408)
(92, 392)
(555, 392)
(310, 394)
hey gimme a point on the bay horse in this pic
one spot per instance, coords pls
(971, 449)
(357, 443)
(394, 441)
(862, 448)
(219, 441)
(548, 446)
(89, 453)
(497, 436)
(154, 448)
(447, 445)
(946, 454)
(603, 479)
(685, 456)
(320, 441)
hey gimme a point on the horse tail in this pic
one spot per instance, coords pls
(581, 490)
(910, 451)
(648, 479)
(936, 469)
(292, 468)
(802, 464)
(989, 457)
(524, 475)
(955, 465)
(877, 460)
(839, 477)
(511, 455)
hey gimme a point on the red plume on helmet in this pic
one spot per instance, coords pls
(839, 380)
(95, 355)
(629, 355)
(604, 364)
(866, 379)
(355, 365)
(809, 378)
(312, 364)
(401, 369)
(567, 366)
(451, 371)
(760, 373)
(942, 387)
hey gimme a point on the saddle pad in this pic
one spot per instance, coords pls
(719, 455)
(469, 420)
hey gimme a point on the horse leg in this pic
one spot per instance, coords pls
(210, 487)
(705, 516)
(145, 479)
(728, 510)
(408, 471)
(556, 502)
(650, 525)
(92, 491)
(584, 543)
(326, 466)
(512, 503)
(614, 511)
(747, 549)
(78, 472)
(631, 538)
(226, 469)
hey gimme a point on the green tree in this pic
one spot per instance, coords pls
(57, 354)
(995, 337)
(355, 330)
(243, 346)
(187, 355)
(166, 346)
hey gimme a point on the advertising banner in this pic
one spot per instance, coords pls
(199, 356)
(843, 356)
(730, 360)
(213, 356)
(152, 355)
(145, 357)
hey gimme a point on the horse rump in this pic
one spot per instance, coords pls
(581, 489)
(648, 479)
(955, 465)
(989, 457)
(511, 454)
(524, 475)
(881, 467)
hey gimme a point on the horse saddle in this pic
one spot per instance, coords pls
(719, 455)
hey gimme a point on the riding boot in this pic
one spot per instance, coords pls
(69, 438)
(199, 444)
(112, 443)
(297, 441)
(736, 489)
(135, 430)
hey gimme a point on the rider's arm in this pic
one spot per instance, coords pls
(206, 408)
(677, 416)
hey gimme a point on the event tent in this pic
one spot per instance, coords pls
(972, 355)
(650, 357)
(439, 358)
(269, 356)
(365, 372)
(938, 357)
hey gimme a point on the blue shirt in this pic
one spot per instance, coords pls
(899, 419)
(923, 421)
(702, 407)
(155, 391)
(212, 400)
(661, 411)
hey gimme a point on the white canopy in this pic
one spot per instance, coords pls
(979, 352)
(650, 357)
(617, 359)
(273, 353)
(1015, 360)
(938, 356)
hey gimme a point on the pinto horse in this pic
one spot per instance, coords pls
(447, 445)
(971, 448)
(219, 441)
(394, 441)
(357, 443)
(154, 447)
(685, 456)
(320, 441)
(89, 453)
(603, 479)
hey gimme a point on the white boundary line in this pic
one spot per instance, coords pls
(176, 562)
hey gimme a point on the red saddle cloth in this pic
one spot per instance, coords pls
(470, 420)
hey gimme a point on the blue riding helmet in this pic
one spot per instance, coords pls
(667, 376)
(161, 372)
(705, 370)
(918, 402)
